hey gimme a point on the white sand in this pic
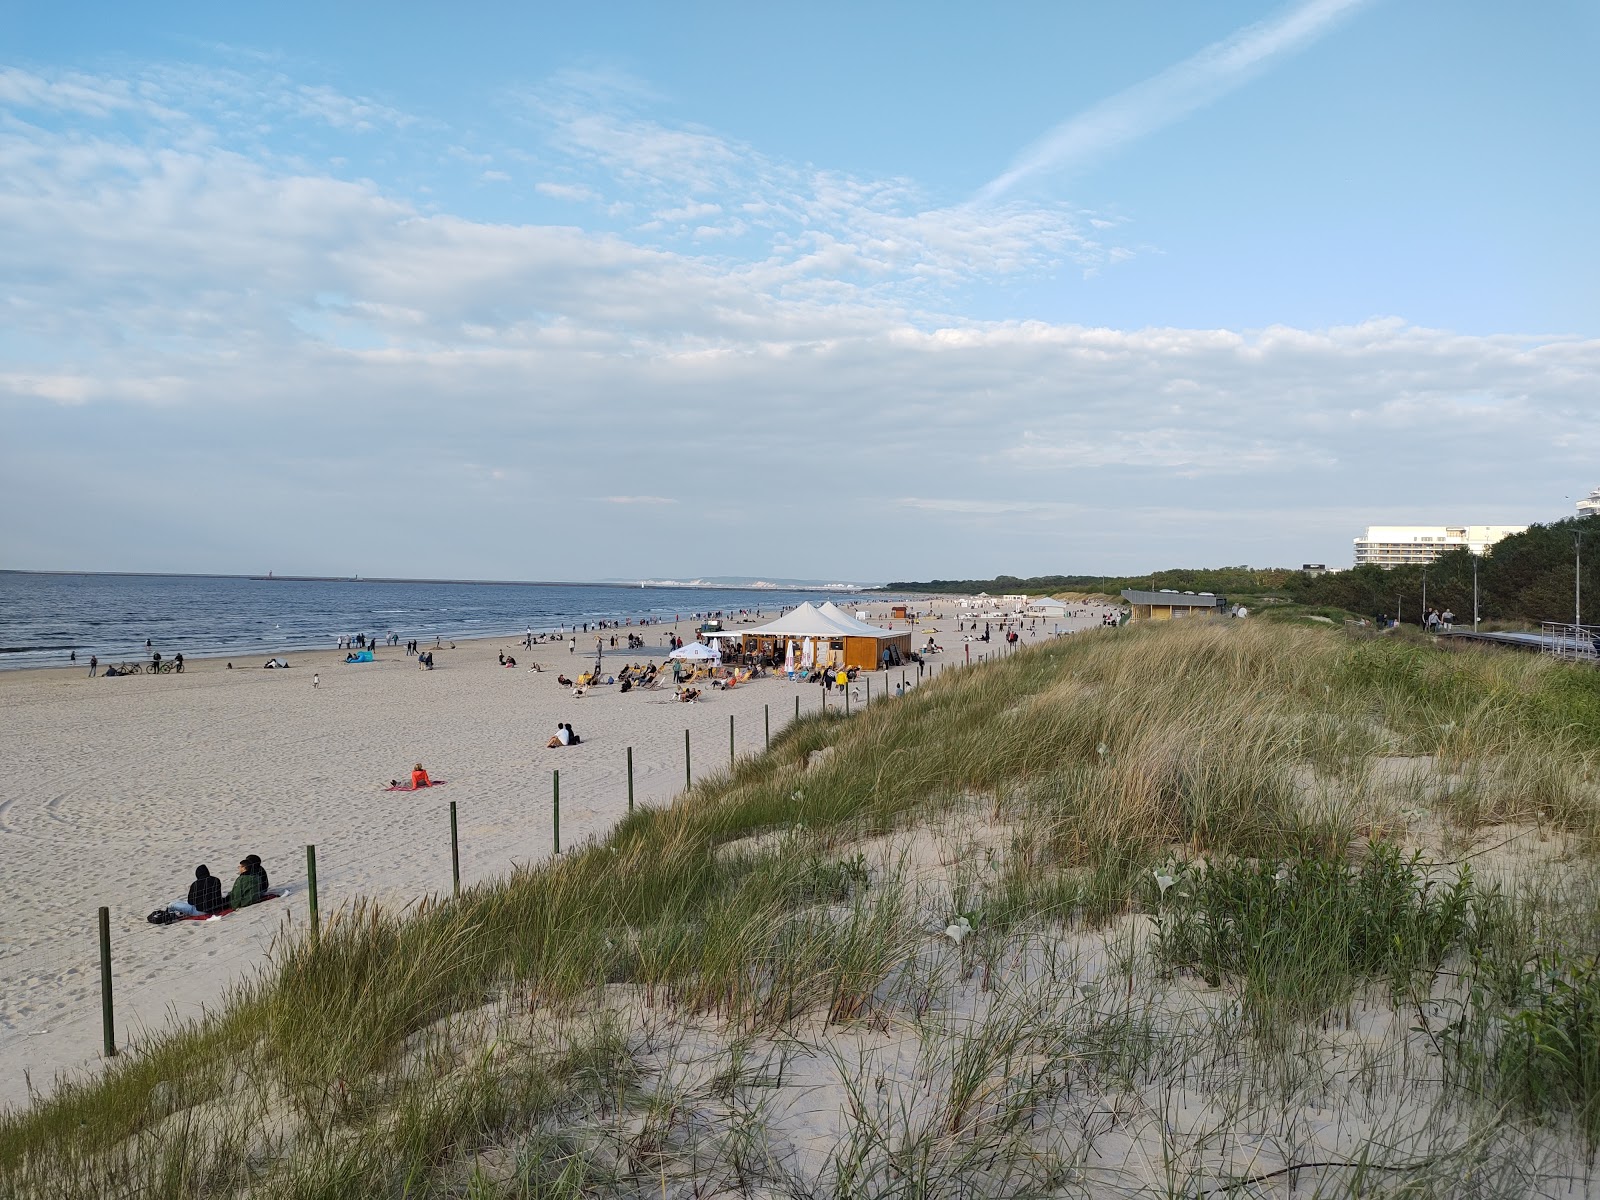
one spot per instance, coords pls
(116, 789)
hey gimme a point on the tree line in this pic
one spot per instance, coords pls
(1528, 577)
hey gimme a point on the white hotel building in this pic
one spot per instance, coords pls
(1405, 545)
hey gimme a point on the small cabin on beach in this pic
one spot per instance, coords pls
(1173, 606)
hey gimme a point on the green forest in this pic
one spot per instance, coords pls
(1525, 579)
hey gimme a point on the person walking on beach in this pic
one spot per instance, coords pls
(316, 681)
(94, 664)
(572, 645)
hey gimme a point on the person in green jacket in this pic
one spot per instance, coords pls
(246, 888)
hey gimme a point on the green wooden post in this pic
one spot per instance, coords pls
(797, 706)
(730, 739)
(311, 881)
(766, 716)
(455, 852)
(555, 812)
(847, 697)
(630, 778)
(868, 678)
(105, 984)
(688, 777)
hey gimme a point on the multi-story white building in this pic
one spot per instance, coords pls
(1405, 545)
(1589, 506)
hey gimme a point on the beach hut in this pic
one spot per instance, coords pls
(1173, 606)
(846, 640)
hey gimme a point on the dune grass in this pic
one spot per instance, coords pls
(480, 1047)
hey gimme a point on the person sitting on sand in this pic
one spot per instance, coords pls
(205, 893)
(572, 734)
(247, 889)
(419, 778)
(253, 861)
(560, 738)
(563, 681)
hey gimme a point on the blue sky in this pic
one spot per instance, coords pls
(886, 291)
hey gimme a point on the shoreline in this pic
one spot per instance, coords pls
(304, 641)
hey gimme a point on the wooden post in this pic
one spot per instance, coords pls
(455, 852)
(868, 678)
(688, 776)
(555, 812)
(797, 706)
(630, 778)
(766, 717)
(730, 739)
(105, 984)
(847, 697)
(311, 881)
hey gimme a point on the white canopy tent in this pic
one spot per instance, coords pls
(695, 652)
(861, 643)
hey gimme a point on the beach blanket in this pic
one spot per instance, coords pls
(171, 917)
(406, 787)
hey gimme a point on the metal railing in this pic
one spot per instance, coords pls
(1575, 643)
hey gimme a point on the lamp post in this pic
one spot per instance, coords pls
(1577, 580)
(1474, 593)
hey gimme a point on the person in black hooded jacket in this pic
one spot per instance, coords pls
(205, 893)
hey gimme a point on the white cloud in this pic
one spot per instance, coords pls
(325, 349)
(1173, 94)
(566, 191)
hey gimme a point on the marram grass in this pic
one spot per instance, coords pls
(358, 1066)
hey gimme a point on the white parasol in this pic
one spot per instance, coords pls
(695, 651)
(808, 653)
(788, 659)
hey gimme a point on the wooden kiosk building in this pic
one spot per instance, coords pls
(1171, 606)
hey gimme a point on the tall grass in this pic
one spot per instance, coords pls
(354, 1067)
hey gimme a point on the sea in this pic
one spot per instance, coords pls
(44, 618)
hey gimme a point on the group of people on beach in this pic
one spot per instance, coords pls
(205, 893)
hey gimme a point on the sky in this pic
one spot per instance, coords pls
(866, 292)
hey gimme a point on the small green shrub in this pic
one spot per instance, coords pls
(1300, 935)
(1538, 1037)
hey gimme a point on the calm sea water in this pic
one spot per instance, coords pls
(44, 617)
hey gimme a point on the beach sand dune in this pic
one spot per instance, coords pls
(117, 788)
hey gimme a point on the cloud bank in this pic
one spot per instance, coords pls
(224, 354)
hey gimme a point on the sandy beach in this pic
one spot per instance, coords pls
(118, 788)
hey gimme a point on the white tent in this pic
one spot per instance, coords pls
(828, 631)
(1047, 606)
(695, 651)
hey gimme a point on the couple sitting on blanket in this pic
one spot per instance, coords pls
(205, 893)
(564, 736)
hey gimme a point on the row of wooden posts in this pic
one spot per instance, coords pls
(455, 840)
